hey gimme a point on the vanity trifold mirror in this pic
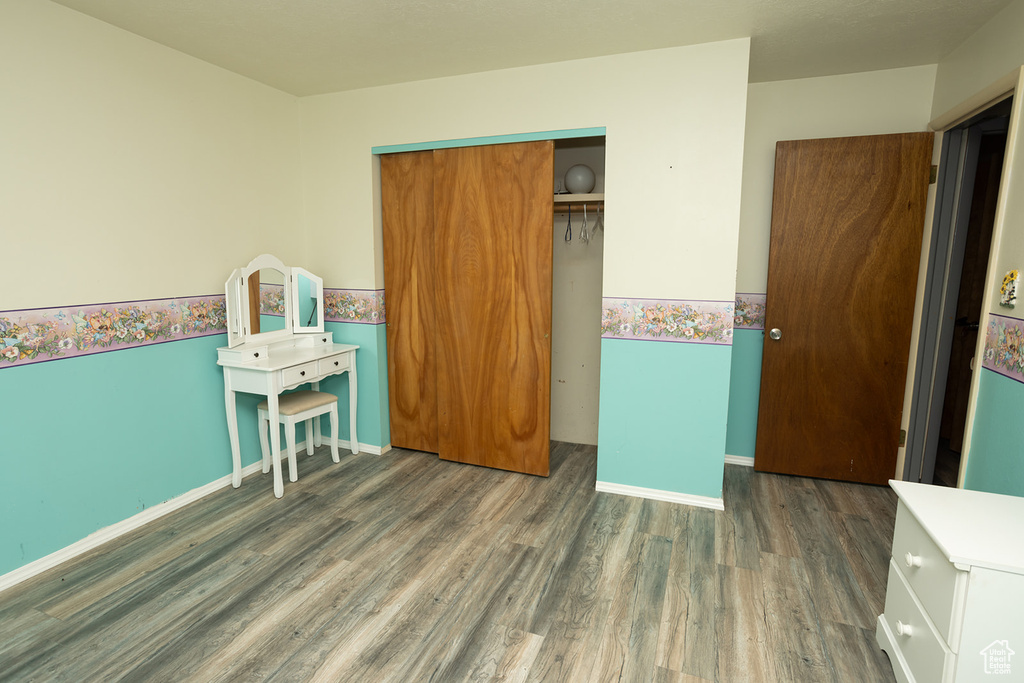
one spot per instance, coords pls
(268, 301)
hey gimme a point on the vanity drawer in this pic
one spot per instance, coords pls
(924, 650)
(931, 576)
(329, 366)
(299, 374)
(323, 338)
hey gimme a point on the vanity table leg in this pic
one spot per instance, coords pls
(275, 442)
(316, 436)
(352, 394)
(236, 456)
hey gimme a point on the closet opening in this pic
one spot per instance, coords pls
(577, 277)
(493, 281)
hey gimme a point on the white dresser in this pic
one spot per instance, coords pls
(954, 603)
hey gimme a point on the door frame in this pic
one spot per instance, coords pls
(926, 386)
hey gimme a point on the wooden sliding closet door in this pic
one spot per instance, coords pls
(407, 194)
(492, 248)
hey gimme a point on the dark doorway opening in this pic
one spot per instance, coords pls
(968, 189)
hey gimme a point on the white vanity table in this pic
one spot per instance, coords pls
(267, 362)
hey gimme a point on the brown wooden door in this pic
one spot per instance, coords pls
(847, 218)
(407, 205)
(493, 220)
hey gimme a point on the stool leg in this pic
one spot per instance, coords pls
(293, 467)
(309, 435)
(334, 432)
(264, 425)
(317, 432)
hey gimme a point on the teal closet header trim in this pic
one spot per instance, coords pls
(492, 140)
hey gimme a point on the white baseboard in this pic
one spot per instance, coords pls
(743, 460)
(345, 444)
(366, 448)
(111, 532)
(667, 496)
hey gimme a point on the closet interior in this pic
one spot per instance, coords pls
(577, 276)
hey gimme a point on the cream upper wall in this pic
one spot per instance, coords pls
(674, 122)
(132, 171)
(993, 51)
(891, 101)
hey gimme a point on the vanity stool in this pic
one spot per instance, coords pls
(299, 406)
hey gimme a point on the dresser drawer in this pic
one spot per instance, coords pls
(926, 654)
(936, 583)
(329, 366)
(299, 374)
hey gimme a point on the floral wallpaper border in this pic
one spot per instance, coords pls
(43, 334)
(271, 299)
(695, 322)
(342, 305)
(354, 306)
(749, 311)
(1004, 347)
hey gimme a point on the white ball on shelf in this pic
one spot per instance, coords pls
(580, 179)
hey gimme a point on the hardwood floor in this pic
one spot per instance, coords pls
(403, 567)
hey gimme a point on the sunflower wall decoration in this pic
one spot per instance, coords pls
(1008, 291)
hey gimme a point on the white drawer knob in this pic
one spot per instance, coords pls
(904, 629)
(912, 560)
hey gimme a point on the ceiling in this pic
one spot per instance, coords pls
(309, 47)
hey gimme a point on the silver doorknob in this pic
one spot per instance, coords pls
(775, 334)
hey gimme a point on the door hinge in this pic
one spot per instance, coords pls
(933, 175)
(903, 437)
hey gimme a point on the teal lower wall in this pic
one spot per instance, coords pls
(662, 421)
(93, 440)
(371, 378)
(996, 460)
(744, 392)
(90, 441)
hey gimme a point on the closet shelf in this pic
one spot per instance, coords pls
(593, 197)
